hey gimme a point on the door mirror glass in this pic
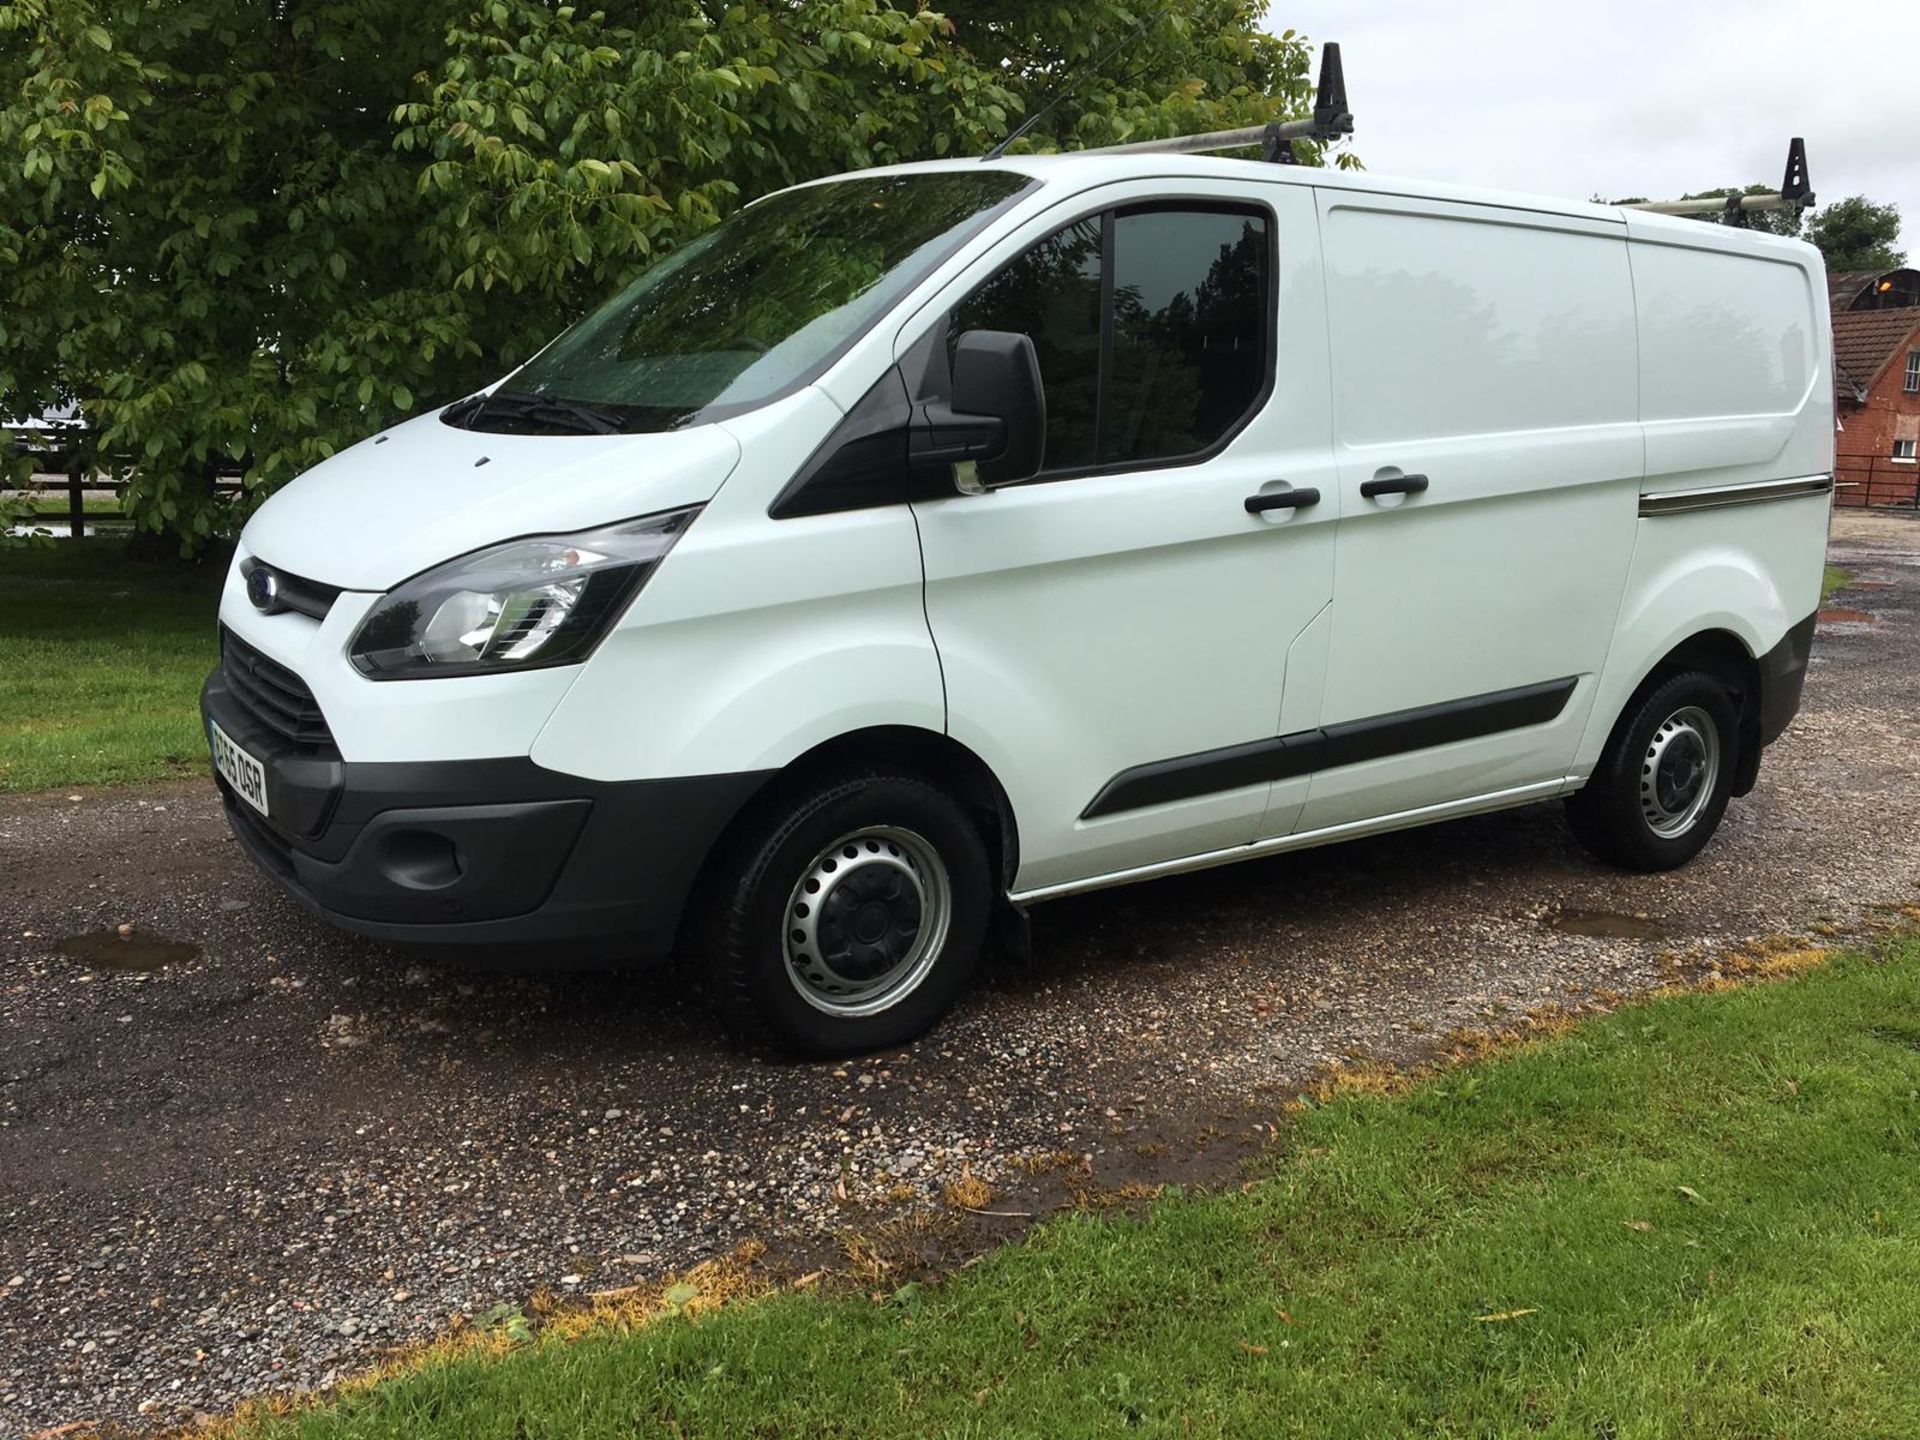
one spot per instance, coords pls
(996, 374)
(990, 426)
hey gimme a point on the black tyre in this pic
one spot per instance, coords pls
(1661, 786)
(850, 914)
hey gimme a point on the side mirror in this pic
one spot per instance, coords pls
(993, 429)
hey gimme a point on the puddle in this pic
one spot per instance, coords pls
(135, 950)
(1845, 617)
(1606, 924)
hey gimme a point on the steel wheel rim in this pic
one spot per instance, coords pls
(1679, 771)
(867, 921)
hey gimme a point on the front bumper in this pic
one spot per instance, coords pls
(475, 852)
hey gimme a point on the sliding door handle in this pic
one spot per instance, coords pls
(1393, 485)
(1298, 499)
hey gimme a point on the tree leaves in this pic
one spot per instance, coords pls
(243, 238)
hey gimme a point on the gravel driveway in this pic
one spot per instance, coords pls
(284, 1149)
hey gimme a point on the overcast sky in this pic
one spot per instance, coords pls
(1631, 97)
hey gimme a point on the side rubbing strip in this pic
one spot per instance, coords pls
(1678, 502)
(1349, 743)
(1208, 773)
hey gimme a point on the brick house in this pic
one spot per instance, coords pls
(1876, 378)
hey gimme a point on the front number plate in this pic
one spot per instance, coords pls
(246, 775)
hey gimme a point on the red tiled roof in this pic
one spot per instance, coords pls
(1865, 340)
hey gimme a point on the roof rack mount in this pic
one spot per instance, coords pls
(1795, 193)
(1331, 119)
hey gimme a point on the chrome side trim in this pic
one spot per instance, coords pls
(1678, 502)
(1305, 839)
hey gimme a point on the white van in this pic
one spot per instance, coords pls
(928, 542)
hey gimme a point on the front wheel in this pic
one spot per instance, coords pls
(1662, 783)
(850, 914)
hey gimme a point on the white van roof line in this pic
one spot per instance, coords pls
(1083, 169)
(1196, 156)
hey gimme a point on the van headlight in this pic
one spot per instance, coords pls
(529, 603)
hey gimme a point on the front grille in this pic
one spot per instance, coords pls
(308, 597)
(297, 593)
(273, 695)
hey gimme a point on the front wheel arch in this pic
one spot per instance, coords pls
(817, 985)
(939, 759)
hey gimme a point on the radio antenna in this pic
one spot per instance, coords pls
(1068, 84)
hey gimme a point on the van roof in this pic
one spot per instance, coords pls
(1078, 170)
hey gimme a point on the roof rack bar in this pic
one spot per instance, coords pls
(1795, 193)
(1714, 205)
(1189, 144)
(1331, 119)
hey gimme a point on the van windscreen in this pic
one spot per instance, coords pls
(751, 310)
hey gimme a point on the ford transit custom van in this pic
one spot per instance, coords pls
(922, 544)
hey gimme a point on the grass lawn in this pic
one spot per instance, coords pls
(1696, 1217)
(56, 510)
(52, 505)
(1835, 577)
(103, 659)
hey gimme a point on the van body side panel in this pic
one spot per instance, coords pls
(1095, 624)
(1305, 684)
(1736, 381)
(1493, 352)
(1753, 571)
(760, 639)
(1111, 645)
(1736, 387)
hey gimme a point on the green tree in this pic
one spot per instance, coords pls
(1856, 234)
(244, 235)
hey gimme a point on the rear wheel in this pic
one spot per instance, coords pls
(850, 914)
(1661, 786)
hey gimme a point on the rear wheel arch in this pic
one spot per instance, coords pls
(1663, 781)
(1725, 656)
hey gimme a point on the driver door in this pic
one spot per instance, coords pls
(1114, 633)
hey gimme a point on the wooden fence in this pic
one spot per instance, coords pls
(78, 480)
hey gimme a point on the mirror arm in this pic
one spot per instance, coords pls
(953, 444)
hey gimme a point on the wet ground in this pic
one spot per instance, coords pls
(239, 1151)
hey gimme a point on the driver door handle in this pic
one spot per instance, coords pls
(1297, 499)
(1396, 485)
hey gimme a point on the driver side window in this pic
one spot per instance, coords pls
(1052, 294)
(1153, 326)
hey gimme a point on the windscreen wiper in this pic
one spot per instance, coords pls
(576, 414)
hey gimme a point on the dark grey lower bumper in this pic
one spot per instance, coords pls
(1783, 674)
(478, 852)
